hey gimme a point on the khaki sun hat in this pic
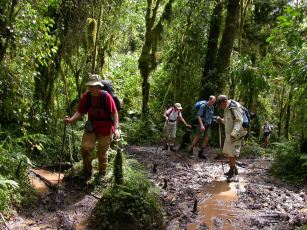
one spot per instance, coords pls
(94, 80)
(178, 105)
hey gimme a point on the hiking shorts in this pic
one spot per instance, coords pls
(232, 149)
(207, 130)
(170, 129)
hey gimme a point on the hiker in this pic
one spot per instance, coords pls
(102, 123)
(234, 131)
(267, 130)
(170, 126)
(203, 125)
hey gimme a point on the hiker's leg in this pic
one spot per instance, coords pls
(232, 162)
(166, 130)
(232, 151)
(173, 131)
(102, 148)
(87, 146)
(195, 140)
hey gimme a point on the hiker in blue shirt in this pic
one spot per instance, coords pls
(203, 125)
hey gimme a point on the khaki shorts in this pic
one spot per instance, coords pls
(170, 130)
(89, 141)
(232, 149)
(207, 130)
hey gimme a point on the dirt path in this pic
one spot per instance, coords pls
(193, 193)
(257, 201)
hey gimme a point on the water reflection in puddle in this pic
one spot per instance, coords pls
(215, 210)
(38, 184)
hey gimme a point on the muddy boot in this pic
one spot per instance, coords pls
(231, 172)
(85, 175)
(165, 147)
(201, 154)
(172, 148)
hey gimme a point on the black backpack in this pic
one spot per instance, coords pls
(107, 87)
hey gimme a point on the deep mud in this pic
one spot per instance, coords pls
(256, 201)
(193, 193)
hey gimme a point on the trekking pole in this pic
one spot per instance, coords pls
(220, 140)
(62, 152)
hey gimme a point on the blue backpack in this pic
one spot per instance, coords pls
(198, 104)
(246, 117)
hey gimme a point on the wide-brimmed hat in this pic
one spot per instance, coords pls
(178, 105)
(95, 79)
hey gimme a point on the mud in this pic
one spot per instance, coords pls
(257, 201)
(193, 193)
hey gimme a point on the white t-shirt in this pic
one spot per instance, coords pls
(172, 114)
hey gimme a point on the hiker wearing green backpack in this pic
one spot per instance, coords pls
(102, 123)
(234, 131)
(205, 112)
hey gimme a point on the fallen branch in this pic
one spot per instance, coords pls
(47, 182)
(5, 224)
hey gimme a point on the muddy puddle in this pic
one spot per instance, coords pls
(38, 176)
(215, 206)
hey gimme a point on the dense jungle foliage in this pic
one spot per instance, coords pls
(156, 53)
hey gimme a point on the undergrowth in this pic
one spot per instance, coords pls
(290, 164)
(131, 205)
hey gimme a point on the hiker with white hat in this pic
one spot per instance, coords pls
(102, 123)
(170, 126)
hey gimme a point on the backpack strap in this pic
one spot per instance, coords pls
(170, 112)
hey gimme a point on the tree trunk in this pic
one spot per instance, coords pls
(288, 115)
(147, 59)
(97, 36)
(224, 52)
(5, 23)
(207, 82)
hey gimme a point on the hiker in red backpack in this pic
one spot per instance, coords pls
(203, 125)
(170, 126)
(101, 124)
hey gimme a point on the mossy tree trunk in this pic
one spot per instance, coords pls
(7, 17)
(147, 60)
(225, 49)
(208, 86)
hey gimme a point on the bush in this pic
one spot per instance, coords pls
(141, 131)
(289, 163)
(132, 205)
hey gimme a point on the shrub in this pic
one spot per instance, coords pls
(289, 163)
(132, 205)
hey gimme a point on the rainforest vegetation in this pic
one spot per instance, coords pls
(156, 53)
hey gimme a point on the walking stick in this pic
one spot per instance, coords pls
(220, 140)
(62, 152)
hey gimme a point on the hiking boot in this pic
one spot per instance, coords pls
(191, 152)
(85, 175)
(201, 154)
(165, 147)
(231, 172)
(172, 148)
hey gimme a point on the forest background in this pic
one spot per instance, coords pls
(156, 53)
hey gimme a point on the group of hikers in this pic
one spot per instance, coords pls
(103, 123)
(233, 121)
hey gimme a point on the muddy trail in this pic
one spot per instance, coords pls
(193, 193)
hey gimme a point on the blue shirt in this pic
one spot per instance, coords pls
(206, 113)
